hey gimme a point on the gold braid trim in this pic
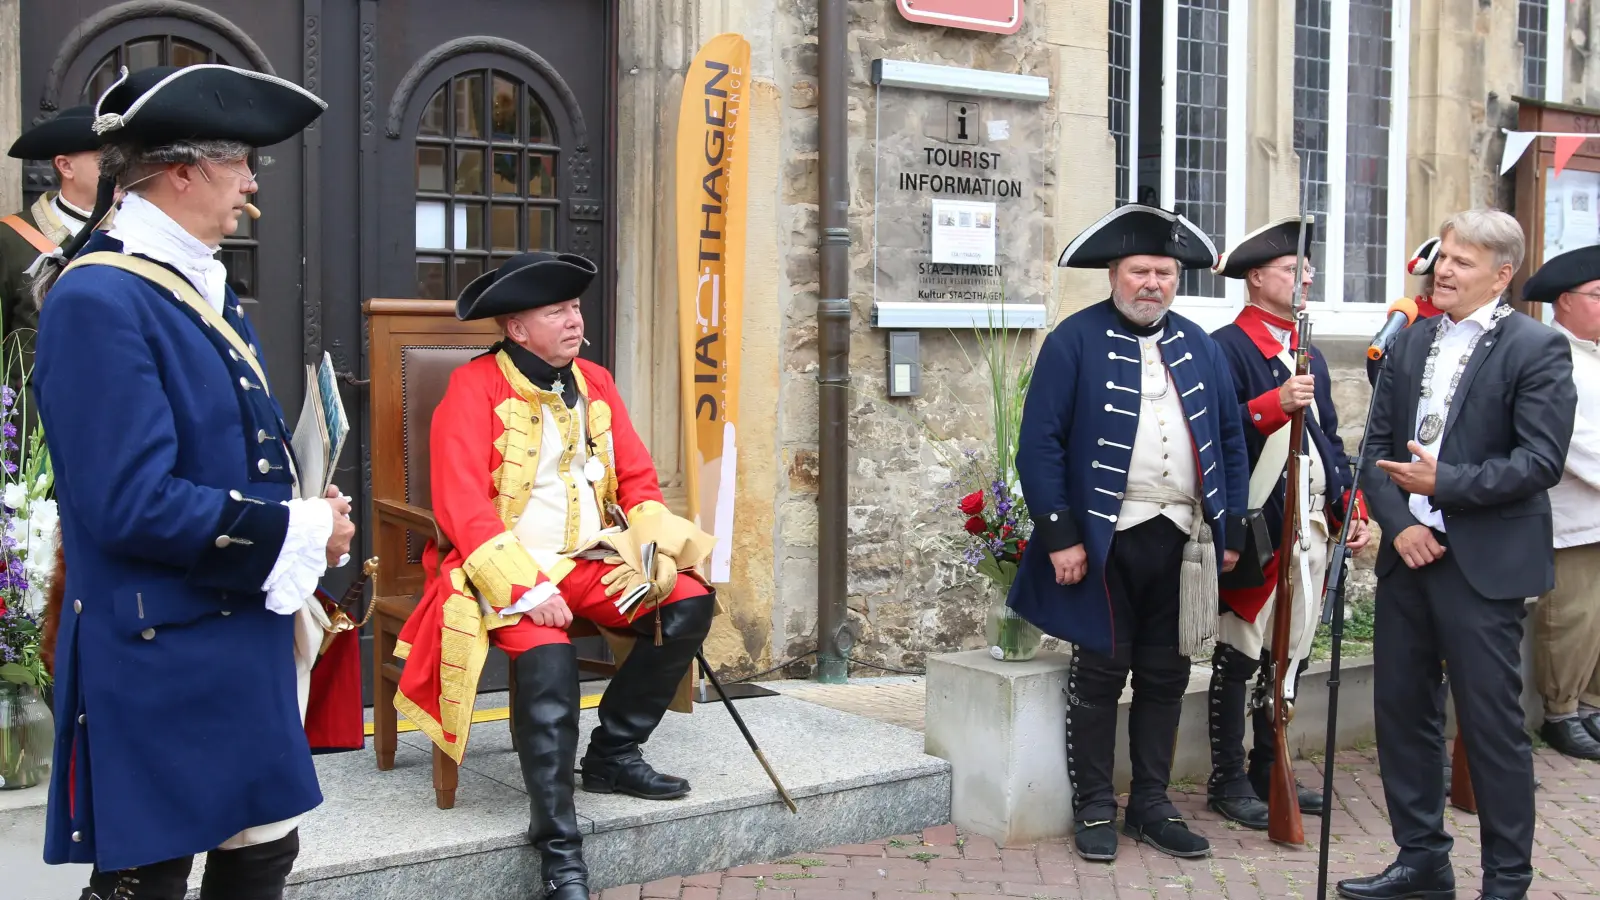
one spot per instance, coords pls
(496, 568)
(518, 445)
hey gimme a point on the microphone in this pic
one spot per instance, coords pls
(1402, 313)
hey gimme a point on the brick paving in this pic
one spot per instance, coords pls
(944, 864)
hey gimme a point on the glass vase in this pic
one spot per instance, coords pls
(27, 736)
(1011, 637)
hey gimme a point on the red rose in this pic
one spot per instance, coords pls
(972, 504)
(1005, 530)
(975, 525)
(1021, 546)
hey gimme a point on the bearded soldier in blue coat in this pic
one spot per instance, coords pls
(1132, 463)
(1258, 345)
(183, 655)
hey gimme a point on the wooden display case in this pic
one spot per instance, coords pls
(1558, 213)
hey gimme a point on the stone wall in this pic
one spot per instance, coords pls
(907, 595)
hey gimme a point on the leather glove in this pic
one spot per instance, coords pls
(625, 577)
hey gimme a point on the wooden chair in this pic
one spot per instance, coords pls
(414, 346)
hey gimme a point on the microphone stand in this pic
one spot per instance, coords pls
(1332, 597)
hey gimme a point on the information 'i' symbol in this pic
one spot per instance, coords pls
(961, 124)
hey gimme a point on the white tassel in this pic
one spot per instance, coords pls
(1197, 594)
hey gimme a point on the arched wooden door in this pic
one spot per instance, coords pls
(264, 258)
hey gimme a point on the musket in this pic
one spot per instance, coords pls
(1283, 800)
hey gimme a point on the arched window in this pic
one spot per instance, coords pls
(486, 164)
(239, 251)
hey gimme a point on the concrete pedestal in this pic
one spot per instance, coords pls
(1001, 725)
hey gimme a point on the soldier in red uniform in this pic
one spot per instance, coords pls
(548, 509)
(1420, 265)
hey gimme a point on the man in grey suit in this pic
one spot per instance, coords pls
(1472, 418)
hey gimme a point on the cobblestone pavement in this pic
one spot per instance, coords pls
(943, 864)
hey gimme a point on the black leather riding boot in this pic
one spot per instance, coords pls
(1229, 790)
(1263, 755)
(167, 880)
(258, 872)
(637, 698)
(545, 720)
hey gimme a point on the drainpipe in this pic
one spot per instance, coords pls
(833, 347)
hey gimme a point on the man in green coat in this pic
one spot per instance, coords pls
(73, 148)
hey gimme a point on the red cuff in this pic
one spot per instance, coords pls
(1357, 506)
(1266, 412)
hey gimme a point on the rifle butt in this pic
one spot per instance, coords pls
(1284, 825)
(1461, 793)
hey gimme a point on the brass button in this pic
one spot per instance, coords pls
(263, 466)
(533, 451)
(148, 633)
(77, 606)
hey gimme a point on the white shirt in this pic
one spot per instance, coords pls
(1452, 347)
(1163, 450)
(72, 218)
(1575, 500)
(1316, 475)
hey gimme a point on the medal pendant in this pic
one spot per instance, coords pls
(1432, 425)
(593, 470)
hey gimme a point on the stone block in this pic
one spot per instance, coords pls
(999, 724)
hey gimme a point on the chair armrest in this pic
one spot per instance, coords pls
(413, 517)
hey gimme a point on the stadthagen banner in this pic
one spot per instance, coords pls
(711, 221)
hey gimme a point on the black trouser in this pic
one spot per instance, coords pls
(257, 872)
(1142, 573)
(1424, 616)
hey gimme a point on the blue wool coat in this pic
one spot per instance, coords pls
(1075, 447)
(177, 719)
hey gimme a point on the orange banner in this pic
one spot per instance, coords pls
(711, 221)
(1566, 146)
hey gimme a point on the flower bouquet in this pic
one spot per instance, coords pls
(993, 513)
(28, 534)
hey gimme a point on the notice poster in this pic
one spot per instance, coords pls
(1572, 211)
(963, 232)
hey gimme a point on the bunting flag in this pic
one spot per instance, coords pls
(1517, 143)
(1565, 147)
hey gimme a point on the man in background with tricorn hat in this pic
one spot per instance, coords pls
(548, 509)
(1566, 623)
(1259, 345)
(1421, 265)
(73, 148)
(186, 639)
(1132, 462)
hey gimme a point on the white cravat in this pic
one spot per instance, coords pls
(1457, 337)
(143, 228)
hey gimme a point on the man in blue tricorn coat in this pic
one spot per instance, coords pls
(1132, 461)
(185, 642)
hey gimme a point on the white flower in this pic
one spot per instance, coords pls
(42, 482)
(15, 495)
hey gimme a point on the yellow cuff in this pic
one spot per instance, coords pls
(498, 567)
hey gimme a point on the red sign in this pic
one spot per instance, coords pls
(998, 16)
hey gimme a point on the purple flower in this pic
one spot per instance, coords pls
(9, 430)
(970, 453)
(7, 396)
(1004, 506)
(9, 466)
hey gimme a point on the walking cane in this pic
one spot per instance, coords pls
(705, 669)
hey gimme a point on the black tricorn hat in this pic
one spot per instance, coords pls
(526, 281)
(166, 104)
(1562, 273)
(1421, 262)
(68, 132)
(1138, 230)
(1265, 244)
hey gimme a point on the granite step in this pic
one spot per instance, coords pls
(378, 834)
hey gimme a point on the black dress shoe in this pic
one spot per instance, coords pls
(1247, 811)
(1170, 836)
(1310, 801)
(628, 773)
(1400, 882)
(1571, 738)
(1591, 722)
(1095, 841)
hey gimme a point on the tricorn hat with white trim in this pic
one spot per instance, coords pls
(1421, 262)
(68, 132)
(525, 281)
(166, 104)
(1138, 230)
(1267, 243)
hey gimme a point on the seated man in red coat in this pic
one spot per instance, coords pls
(548, 508)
